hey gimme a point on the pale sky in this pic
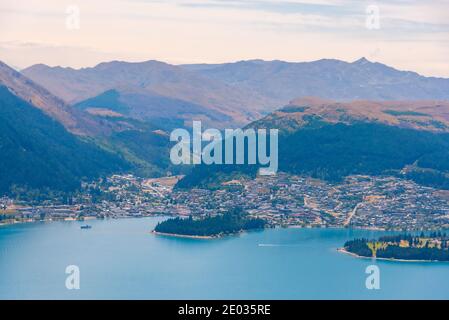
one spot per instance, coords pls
(412, 34)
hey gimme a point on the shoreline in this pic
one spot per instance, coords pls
(185, 236)
(90, 218)
(344, 251)
(2, 224)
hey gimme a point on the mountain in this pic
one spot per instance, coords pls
(419, 114)
(182, 88)
(74, 121)
(146, 106)
(330, 140)
(133, 105)
(37, 152)
(327, 78)
(231, 94)
(50, 144)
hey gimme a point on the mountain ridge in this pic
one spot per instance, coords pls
(419, 114)
(76, 85)
(39, 153)
(330, 140)
(327, 78)
(41, 98)
(73, 136)
(244, 90)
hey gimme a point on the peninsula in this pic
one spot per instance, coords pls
(232, 222)
(404, 247)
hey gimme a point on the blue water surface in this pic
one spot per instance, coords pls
(121, 259)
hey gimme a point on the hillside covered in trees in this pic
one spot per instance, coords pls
(37, 152)
(333, 151)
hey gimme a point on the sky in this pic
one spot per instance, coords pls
(406, 34)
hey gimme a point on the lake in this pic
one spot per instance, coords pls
(121, 259)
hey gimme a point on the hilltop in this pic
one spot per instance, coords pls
(331, 140)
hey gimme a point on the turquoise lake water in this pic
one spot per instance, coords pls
(120, 259)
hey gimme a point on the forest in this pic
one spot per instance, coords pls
(232, 222)
(432, 247)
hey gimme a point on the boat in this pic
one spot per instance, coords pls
(86, 227)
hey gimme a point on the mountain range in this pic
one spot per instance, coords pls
(24, 88)
(327, 78)
(230, 94)
(47, 144)
(366, 118)
(152, 87)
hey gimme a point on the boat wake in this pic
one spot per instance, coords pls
(276, 245)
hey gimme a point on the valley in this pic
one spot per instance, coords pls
(356, 164)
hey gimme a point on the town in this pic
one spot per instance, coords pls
(283, 200)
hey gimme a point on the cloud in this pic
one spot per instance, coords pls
(182, 31)
(24, 54)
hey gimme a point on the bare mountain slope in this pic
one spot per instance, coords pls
(73, 120)
(419, 115)
(326, 78)
(154, 77)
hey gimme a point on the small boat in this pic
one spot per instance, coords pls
(86, 227)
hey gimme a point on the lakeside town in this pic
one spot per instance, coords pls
(284, 200)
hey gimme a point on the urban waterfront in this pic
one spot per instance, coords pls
(284, 200)
(121, 259)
